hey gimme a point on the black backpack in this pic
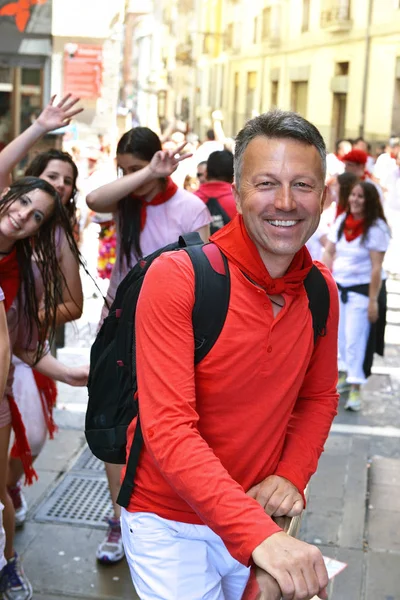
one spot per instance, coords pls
(112, 380)
(219, 216)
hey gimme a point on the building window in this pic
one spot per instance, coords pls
(235, 120)
(228, 38)
(342, 68)
(266, 23)
(299, 97)
(305, 22)
(396, 100)
(251, 94)
(255, 30)
(274, 93)
(339, 116)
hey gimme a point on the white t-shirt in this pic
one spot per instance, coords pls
(352, 264)
(182, 213)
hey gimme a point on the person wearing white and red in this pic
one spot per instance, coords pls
(355, 251)
(361, 144)
(233, 441)
(150, 212)
(218, 184)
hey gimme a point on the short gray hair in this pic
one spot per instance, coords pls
(277, 124)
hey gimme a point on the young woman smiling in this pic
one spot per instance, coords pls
(30, 212)
(356, 247)
(30, 387)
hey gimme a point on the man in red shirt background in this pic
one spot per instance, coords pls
(219, 179)
(234, 440)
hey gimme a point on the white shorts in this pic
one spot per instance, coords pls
(170, 560)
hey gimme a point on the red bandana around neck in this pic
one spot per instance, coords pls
(9, 277)
(353, 228)
(163, 196)
(234, 241)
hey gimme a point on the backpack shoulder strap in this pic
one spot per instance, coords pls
(215, 208)
(318, 300)
(212, 293)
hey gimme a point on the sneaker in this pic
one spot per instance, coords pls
(13, 582)
(354, 401)
(20, 504)
(342, 385)
(111, 549)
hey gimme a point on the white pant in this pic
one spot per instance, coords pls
(170, 560)
(354, 329)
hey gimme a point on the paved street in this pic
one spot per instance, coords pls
(353, 512)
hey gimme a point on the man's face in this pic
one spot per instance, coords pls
(361, 145)
(202, 172)
(355, 168)
(281, 194)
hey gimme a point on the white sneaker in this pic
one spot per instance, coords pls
(354, 401)
(20, 504)
(342, 385)
(14, 584)
(111, 549)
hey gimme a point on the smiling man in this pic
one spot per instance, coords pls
(234, 440)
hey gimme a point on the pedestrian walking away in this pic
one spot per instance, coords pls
(30, 211)
(150, 211)
(232, 441)
(355, 251)
(34, 393)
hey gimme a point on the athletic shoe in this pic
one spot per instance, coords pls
(14, 584)
(20, 504)
(111, 549)
(342, 385)
(354, 401)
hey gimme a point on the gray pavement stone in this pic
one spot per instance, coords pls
(351, 532)
(383, 530)
(383, 576)
(66, 564)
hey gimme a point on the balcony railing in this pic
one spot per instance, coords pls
(336, 18)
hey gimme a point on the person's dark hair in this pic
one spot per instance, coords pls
(220, 166)
(142, 143)
(346, 182)
(43, 246)
(373, 209)
(39, 164)
(278, 124)
(210, 135)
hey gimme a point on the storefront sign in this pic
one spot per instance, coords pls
(83, 67)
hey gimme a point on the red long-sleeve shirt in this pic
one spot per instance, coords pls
(260, 403)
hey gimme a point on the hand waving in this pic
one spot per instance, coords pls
(53, 117)
(165, 162)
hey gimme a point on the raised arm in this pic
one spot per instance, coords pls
(106, 198)
(72, 301)
(52, 117)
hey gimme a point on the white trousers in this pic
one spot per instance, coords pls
(170, 560)
(354, 329)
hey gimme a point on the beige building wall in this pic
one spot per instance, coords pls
(293, 53)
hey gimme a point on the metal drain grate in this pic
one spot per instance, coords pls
(88, 462)
(77, 500)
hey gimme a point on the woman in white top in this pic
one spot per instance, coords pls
(356, 247)
(150, 212)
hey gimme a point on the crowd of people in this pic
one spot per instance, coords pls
(272, 201)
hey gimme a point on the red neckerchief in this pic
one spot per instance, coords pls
(234, 241)
(353, 228)
(163, 196)
(367, 175)
(9, 277)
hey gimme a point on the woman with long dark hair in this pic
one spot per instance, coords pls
(34, 393)
(150, 212)
(30, 212)
(355, 251)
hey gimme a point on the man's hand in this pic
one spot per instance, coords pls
(278, 496)
(297, 567)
